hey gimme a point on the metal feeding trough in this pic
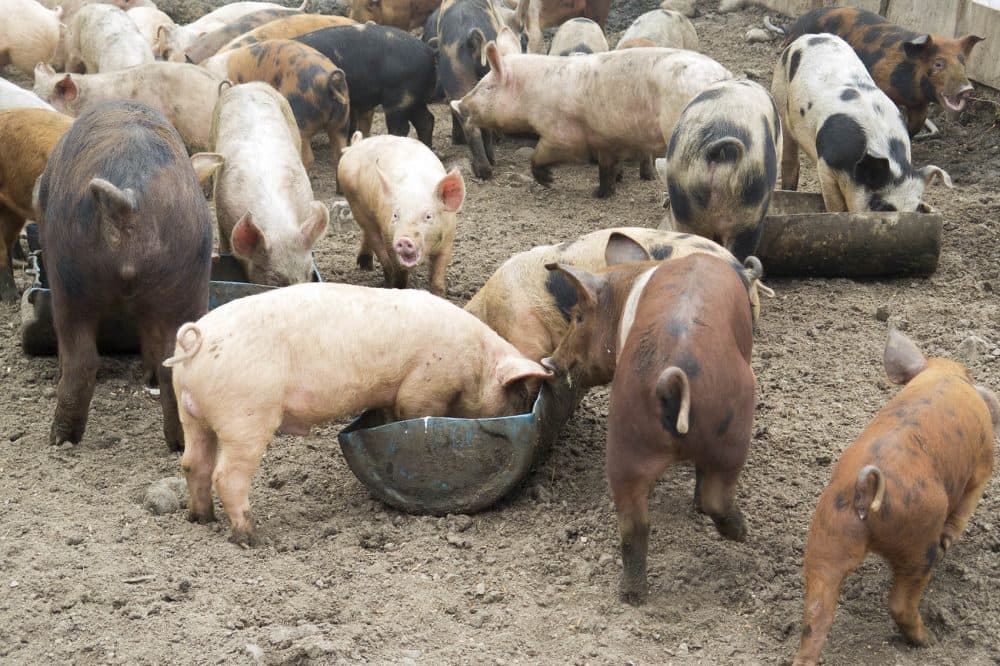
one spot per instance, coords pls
(799, 238)
(440, 465)
(116, 334)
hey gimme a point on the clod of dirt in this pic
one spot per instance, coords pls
(972, 349)
(254, 651)
(882, 313)
(166, 496)
(755, 35)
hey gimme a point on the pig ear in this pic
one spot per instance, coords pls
(206, 164)
(992, 405)
(386, 183)
(968, 42)
(623, 250)
(451, 191)
(930, 172)
(357, 137)
(43, 69)
(247, 238)
(918, 46)
(66, 88)
(456, 106)
(515, 368)
(872, 172)
(903, 361)
(115, 203)
(495, 59)
(586, 284)
(314, 225)
(507, 41)
(476, 40)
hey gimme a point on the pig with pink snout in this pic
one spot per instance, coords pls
(404, 202)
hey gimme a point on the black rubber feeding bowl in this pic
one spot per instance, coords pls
(438, 465)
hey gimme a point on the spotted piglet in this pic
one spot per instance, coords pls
(832, 109)
(904, 489)
(315, 88)
(722, 164)
(683, 389)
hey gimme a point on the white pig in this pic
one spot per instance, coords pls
(102, 38)
(173, 41)
(13, 96)
(578, 35)
(149, 20)
(405, 204)
(831, 108)
(288, 359)
(185, 94)
(264, 201)
(612, 105)
(662, 28)
(29, 33)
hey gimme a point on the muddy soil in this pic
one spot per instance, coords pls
(89, 576)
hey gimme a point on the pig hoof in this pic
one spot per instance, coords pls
(483, 172)
(732, 527)
(248, 539)
(542, 175)
(366, 262)
(920, 637)
(175, 444)
(634, 597)
(59, 435)
(604, 192)
(946, 541)
(201, 518)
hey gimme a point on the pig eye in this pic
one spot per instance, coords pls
(395, 216)
(428, 217)
(939, 64)
(578, 317)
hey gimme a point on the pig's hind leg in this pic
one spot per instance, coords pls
(198, 463)
(239, 456)
(608, 173)
(959, 518)
(78, 364)
(908, 583)
(716, 494)
(10, 227)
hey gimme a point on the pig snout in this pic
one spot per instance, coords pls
(407, 251)
(957, 101)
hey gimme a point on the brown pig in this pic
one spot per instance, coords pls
(292, 358)
(185, 94)
(102, 38)
(904, 489)
(533, 16)
(289, 27)
(125, 228)
(29, 33)
(683, 389)
(530, 306)
(28, 137)
(315, 88)
(405, 15)
(405, 203)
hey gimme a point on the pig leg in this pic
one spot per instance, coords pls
(647, 171)
(915, 119)
(198, 463)
(362, 121)
(161, 338)
(238, 460)
(10, 227)
(439, 264)
(337, 144)
(908, 585)
(789, 161)
(607, 168)
(397, 122)
(547, 153)
(717, 493)
(78, 364)
(457, 133)
(307, 152)
(423, 122)
(959, 518)
(490, 138)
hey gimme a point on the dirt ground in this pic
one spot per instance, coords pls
(89, 576)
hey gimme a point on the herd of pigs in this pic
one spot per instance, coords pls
(112, 156)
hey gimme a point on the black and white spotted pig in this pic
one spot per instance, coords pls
(722, 164)
(831, 108)
(578, 35)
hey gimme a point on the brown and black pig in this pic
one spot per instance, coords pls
(288, 27)
(683, 388)
(913, 69)
(28, 137)
(402, 14)
(125, 228)
(610, 105)
(315, 88)
(292, 358)
(905, 489)
(209, 44)
(405, 203)
(722, 164)
(831, 108)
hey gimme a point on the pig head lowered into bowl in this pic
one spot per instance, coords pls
(442, 465)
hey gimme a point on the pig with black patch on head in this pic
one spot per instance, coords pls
(832, 109)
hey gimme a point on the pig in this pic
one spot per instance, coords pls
(664, 28)
(173, 42)
(530, 306)
(613, 105)
(28, 137)
(268, 217)
(240, 382)
(683, 388)
(405, 203)
(384, 66)
(31, 37)
(289, 27)
(578, 35)
(102, 38)
(396, 13)
(913, 69)
(13, 96)
(315, 89)
(905, 489)
(185, 94)
(125, 228)
(462, 30)
(722, 164)
(684, 7)
(533, 16)
(848, 127)
(209, 44)
(149, 20)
